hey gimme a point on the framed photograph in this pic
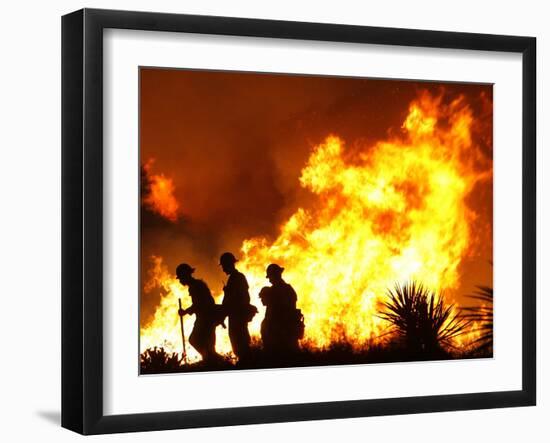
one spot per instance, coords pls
(269, 221)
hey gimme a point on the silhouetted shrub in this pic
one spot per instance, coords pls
(424, 322)
(482, 318)
(157, 360)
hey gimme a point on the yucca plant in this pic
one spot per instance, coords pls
(482, 318)
(425, 322)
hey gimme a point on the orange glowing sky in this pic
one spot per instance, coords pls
(225, 154)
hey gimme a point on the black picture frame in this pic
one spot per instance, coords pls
(82, 220)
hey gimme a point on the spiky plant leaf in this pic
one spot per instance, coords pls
(482, 317)
(422, 318)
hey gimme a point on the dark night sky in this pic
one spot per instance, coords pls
(235, 143)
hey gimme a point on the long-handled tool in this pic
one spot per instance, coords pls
(182, 335)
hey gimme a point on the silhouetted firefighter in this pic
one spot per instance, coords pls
(207, 317)
(283, 325)
(236, 302)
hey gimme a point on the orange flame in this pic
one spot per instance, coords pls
(164, 329)
(160, 198)
(393, 213)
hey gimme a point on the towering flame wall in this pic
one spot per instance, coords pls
(394, 212)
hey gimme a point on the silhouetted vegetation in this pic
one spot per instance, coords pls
(482, 318)
(422, 320)
(157, 360)
(341, 353)
(422, 327)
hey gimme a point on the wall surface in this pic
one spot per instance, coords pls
(30, 234)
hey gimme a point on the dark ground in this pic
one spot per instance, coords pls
(157, 361)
